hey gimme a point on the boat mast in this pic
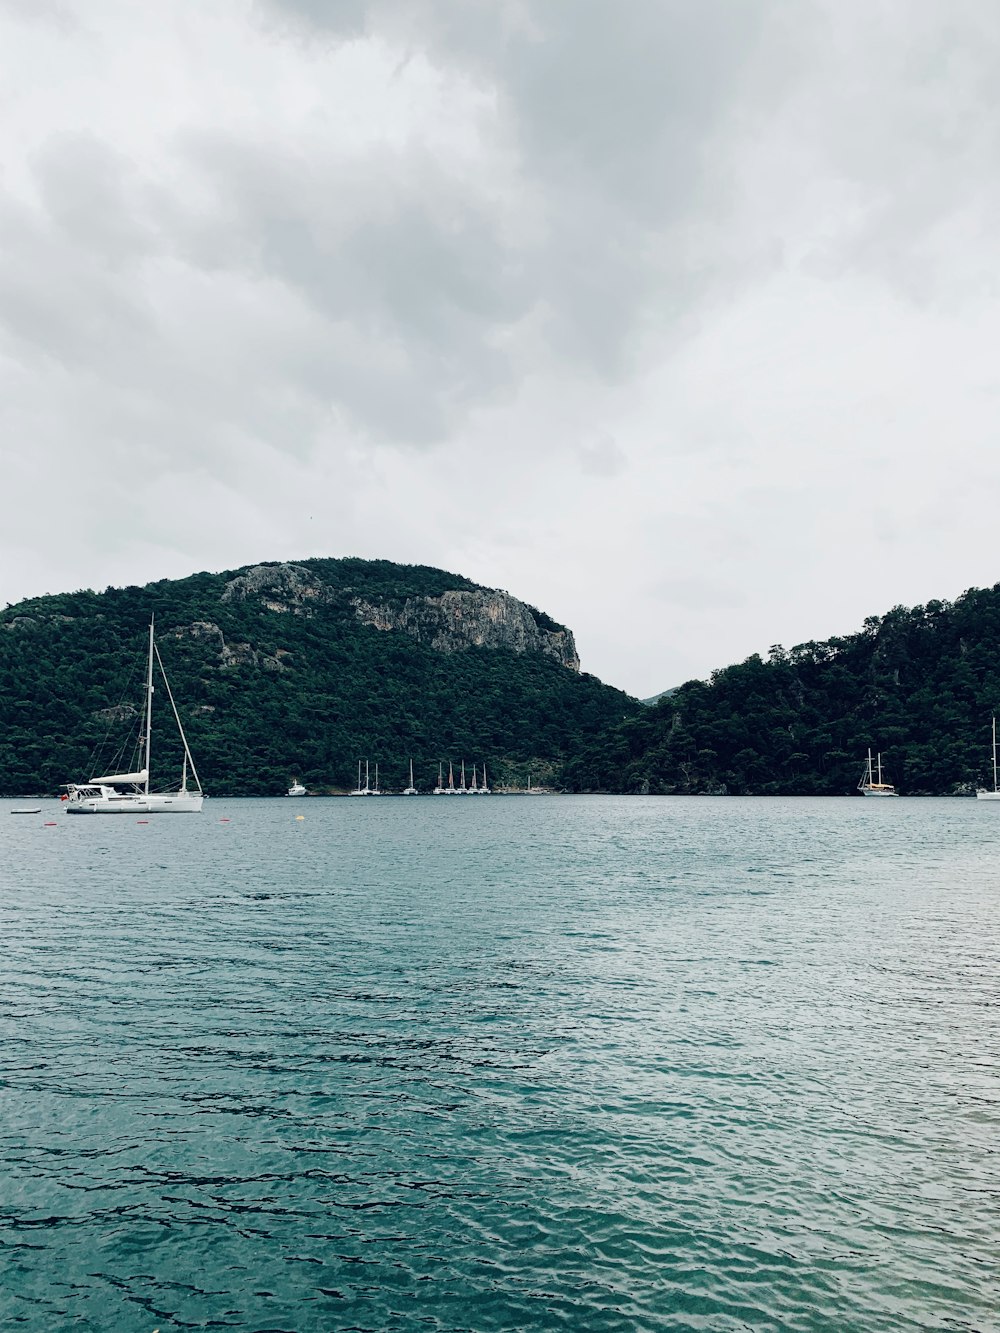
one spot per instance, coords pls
(188, 757)
(149, 706)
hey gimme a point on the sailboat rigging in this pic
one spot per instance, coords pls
(129, 793)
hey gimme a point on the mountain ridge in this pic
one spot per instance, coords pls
(918, 684)
(298, 668)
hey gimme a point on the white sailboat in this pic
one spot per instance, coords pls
(376, 790)
(871, 783)
(439, 789)
(129, 793)
(410, 790)
(365, 790)
(983, 793)
(296, 789)
(484, 789)
(463, 789)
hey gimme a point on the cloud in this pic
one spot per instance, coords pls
(634, 310)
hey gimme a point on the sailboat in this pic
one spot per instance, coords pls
(410, 790)
(439, 789)
(871, 783)
(376, 790)
(982, 793)
(129, 793)
(296, 789)
(484, 789)
(359, 790)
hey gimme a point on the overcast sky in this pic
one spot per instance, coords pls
(675, 318)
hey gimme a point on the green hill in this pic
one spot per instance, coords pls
(299, 669)
(920, 685)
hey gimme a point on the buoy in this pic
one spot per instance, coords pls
(51, 823)
(300, 816)
(223, 821)
(142, 821)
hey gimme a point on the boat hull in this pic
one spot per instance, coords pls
(870, 792)
(175, 803)
(988, 795)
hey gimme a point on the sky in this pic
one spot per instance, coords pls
(675, 318)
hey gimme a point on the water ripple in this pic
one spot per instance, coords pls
(573, 1063)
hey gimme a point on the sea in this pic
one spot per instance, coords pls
(503, 1063)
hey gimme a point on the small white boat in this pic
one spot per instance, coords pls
(871, 783)
(35, 810)
(129, 793)
(439, 789)
(983, 793)
(296, 789)
(410, 790)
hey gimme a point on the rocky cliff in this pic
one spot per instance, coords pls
(456, 619)
(465, 619)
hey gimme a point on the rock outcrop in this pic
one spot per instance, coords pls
(230, 654)
(466, 619)
(281, 588)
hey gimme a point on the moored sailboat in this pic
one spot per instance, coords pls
(129, 793)
(871, 783)
(410, 790)
(983, 793)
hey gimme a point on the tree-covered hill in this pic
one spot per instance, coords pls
(919, 685)
(296, 670)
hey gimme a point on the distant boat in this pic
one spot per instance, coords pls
(296, 789)
(439, 789)
(359, 790)
(983, 794)
(463, 789)
(35, 810)
(128, 793)
(484, 789)
(871, 783)
(375, 791)
(451, 789)
(410, 790)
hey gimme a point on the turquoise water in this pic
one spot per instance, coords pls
(513, 1063)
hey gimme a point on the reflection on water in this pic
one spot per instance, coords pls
(580, 1063)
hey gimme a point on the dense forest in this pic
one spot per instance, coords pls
(283, 681)
(920, 685)
(270, 690)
